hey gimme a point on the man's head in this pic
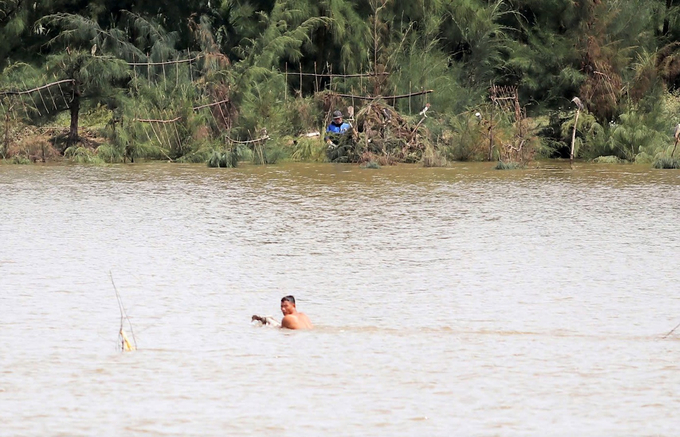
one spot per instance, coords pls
(288, 305)
(337, 117)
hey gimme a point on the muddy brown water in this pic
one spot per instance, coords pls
(456, 301)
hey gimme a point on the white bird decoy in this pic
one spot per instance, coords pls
(424, 110)
(578, 103)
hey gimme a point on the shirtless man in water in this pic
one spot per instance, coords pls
(292, 319)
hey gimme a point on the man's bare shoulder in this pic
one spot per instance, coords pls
(304, 321)
(290, 321)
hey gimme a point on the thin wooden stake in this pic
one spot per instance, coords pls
(191, 73)
(573, 139)
(34, 104)
(410, 90)
(52, 97)
(47, 110)
(316, 78)
(285, 90)
(300, 66)
(63, 96)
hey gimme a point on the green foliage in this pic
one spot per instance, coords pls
(666, 163)
(433, 157)
(82, 155)
(466, 138)
(622, 58)
(308, 149)
(17, 159)
(223, 159)
(608, 160)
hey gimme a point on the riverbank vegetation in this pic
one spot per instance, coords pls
(434, 81)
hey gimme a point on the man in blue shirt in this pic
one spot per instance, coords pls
(337, 126)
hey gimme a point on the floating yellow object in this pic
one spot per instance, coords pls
(125, 343)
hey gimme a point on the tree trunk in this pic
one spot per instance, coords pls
(666, 21)
(75, 111)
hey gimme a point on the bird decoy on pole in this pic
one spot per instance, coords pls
(423, 111)
(578, 103)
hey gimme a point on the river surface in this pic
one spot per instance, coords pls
(450, 301)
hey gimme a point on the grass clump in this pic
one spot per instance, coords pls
(18, 160)
(80, 154)
(508, 165)
(433, 157)
(223, 159)
(666, 163)
(610, 159)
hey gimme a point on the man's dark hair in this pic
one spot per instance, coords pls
(289, 298)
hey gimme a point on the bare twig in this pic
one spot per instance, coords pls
(672, 330)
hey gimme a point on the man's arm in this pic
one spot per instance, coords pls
(290, 322)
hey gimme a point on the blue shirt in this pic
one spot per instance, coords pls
(341, 129)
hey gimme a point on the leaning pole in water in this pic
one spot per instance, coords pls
(579, 106)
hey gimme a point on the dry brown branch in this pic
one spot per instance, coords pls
(264, 138)
(402, 96)
(144, 64)
(210, 104)
(18, 93)
(148, 120)
(386, 73)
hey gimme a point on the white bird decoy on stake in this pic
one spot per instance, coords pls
(578, 103)
(424, 110)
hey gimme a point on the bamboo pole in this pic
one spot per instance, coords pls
(165, 128)
(401, 96)
(300, 66)
(224, 119)
(316, 78)
(52, 97)
(63, 96)
(150, 120)
(347, 76)
(18, 93)
(410, 90)
(191, 73)
(47, 110)
(179, 61)
(285, 90)
(210, 104)
(264, 138)
(573, 139)
(33, 100)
